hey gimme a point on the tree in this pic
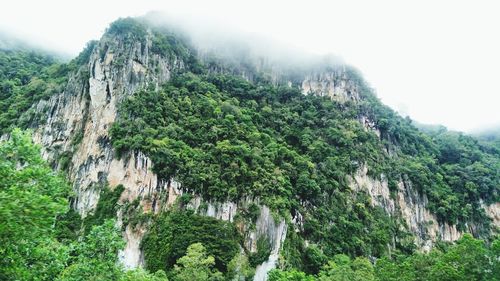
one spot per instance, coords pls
(239, 268)
(363, 269)
(31, 196)
(314, 259)
(337, 270)
(142, 275)
(292, 275)
(196, 265)
(468, 259)
(96, 255)
(171, 233)
(341, 268)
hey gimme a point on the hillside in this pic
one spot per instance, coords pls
(268, 164)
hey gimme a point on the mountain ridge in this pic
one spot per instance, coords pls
(382, 170)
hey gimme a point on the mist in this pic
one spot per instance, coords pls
(214, 39)
(434, 61)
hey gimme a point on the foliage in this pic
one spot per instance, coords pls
(106, 206)
(226, 138)
(27, 76)
(467, 259)
(341, 268)
(133, 214)
(67, 226)
(171, 233)
(169, 45)
(142, 275)
(239, 268)
(262, 253)
(96, 255)
(31, 196)
(196, 266)
(314, 259)
(292, 275)
(130, 28)
(292, 251)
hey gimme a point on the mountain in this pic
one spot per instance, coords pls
(289, 162)
(491, 136)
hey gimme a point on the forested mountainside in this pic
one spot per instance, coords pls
(492, 137)
(196, 165)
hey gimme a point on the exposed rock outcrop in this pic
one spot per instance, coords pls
(334, 84)
(87, 109)
(407, 203)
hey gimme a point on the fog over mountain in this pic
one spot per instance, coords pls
(436, 62)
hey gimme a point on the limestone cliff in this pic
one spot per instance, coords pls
(75, 124)
(78, 120)
(410, 205)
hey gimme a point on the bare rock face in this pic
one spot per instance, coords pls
(420, 221)
(412, 208)
(493, 211)
(334, 84)
(87, 109)
(276, 233)
(132, 256)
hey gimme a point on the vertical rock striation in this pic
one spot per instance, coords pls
(409, 205)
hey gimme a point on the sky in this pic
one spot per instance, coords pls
(436, 61)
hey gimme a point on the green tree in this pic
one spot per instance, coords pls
(363, 269)
(467, 259)
(495, 259)
(96, 255)
(292, 275)
(142, 275)
(31, 197)
(341, 268)
(196, 266)
(26, 77)
(172, 232)
(239, 268)
(314, 259)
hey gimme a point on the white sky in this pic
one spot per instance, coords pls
(437, 61)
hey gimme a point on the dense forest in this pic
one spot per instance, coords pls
(225, 137)
(35, 244)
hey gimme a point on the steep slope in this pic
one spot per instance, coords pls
(299, 159)
(27, 76)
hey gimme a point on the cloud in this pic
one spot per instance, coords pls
(440, 58)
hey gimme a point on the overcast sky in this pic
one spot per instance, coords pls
(437, 61)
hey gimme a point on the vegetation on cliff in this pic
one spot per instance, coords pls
(229, 138)
(468, 259)
(32, 197)
(28, 76)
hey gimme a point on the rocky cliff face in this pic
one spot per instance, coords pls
(77, 121)
(334, 84)
(408, 204)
